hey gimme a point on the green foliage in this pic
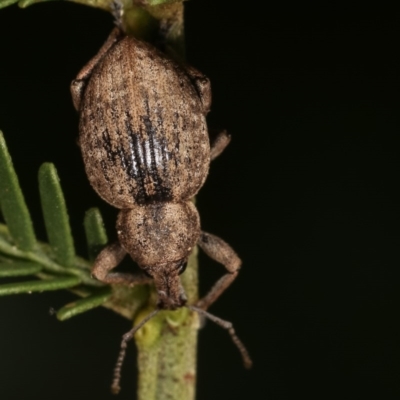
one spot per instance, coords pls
(6, 3)
(55, 263)
(144, 19)
(9, 269)
(13, 204)
(55, 215)
(96, 235)
(39, 286)
(97, 298)
(105, 4)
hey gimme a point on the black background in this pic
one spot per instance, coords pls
(307, 193)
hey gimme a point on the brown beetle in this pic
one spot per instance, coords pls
(145, 145)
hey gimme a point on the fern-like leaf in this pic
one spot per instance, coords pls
(55, 215)
(55, 263)
(12, 203)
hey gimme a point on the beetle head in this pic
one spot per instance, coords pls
(160, 238)
(168, 285)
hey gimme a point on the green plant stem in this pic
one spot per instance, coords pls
(167, 347)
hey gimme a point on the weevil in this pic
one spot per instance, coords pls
(146, 149)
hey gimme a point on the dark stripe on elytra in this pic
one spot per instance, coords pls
(135, 172)
(120, 149)
(106, 143)
(163, 143)
(144, 137)
(155, 178)
(162, 193)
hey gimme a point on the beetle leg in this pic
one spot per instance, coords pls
(221, 252)
(202, 85)
(219, 143)
(107, 260)
(79, 83)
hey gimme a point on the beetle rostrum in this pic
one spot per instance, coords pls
(145, 145)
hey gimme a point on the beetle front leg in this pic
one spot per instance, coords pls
(79, 83)
(221, 252)
(219, 143)
(107, 260)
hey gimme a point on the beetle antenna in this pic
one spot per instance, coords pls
(115, 387)
(229, 327)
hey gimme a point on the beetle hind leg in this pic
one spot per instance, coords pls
(221, 252)
(202, 85)
(219, 143)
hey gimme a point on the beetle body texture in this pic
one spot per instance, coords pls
(146, 150)
(143, 132)
(145, 145)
